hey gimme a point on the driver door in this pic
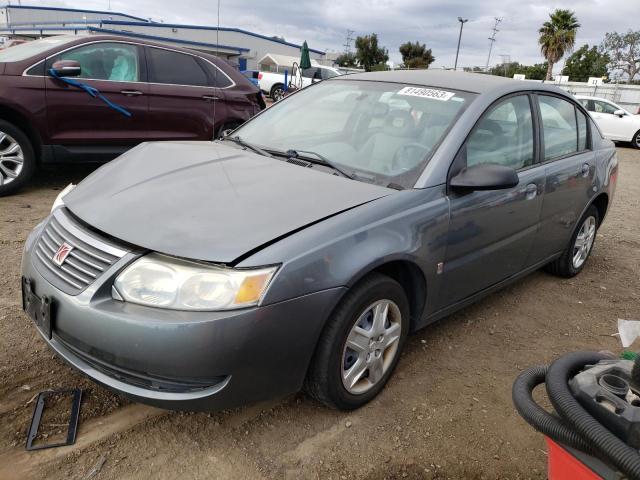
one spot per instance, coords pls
(492, 232)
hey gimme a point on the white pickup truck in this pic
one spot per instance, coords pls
(272, 83)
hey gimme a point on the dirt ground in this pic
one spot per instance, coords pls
(447, 412)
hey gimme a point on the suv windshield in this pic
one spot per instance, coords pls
(379, 132)
(23, 51)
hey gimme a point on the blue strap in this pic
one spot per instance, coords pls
(94, 92)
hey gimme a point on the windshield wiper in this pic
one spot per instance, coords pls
(239, 141)
(320, 160)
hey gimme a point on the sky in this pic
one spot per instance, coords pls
(324, 23)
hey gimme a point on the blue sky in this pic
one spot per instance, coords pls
(324, 23)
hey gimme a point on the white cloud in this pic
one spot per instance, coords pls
(324, 23)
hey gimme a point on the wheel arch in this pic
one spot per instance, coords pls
(409, 275)
(20, 121)
(601, 202)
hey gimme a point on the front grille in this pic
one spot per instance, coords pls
(89, 258)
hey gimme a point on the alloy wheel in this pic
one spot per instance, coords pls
(11, 159)
(584, 242)
(636, 140)
(371, 346)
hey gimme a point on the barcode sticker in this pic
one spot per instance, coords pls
(426, 93)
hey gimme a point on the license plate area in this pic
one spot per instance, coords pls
(38, 308)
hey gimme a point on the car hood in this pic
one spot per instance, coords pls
(209, 201)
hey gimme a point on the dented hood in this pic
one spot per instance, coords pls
(209, 201)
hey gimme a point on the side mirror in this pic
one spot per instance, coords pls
(67, 68)
(485, 177)
(620, 113)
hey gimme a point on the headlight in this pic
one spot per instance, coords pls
(160, 281)
(58, 202)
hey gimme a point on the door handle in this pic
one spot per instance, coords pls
(131, 93)
(210, 98)
(531, 191)
(585, 170)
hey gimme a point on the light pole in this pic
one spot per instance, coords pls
(462, 22)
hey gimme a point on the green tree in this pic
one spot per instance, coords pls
(586, 62)
(624, 52)
(347, 59)
(534, 72)
(368, 53)
(416, 55)
(557, 35)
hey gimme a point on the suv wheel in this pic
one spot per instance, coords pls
(575, 256)
(360, 345)
(17, 160)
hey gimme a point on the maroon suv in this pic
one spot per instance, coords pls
(50, 112)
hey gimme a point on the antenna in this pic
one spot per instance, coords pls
(215, 76)
(492, 39)
(348, 40)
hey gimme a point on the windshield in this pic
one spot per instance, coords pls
(379, 132)
(23, 51)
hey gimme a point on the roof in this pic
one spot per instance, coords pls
(79, 10)
(282, 60)
(207, 27)
(470, 82)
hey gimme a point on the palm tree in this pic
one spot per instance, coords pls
(557, 35)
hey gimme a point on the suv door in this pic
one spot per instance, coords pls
(569, 164)
(86, 124)
(181, 97)
(491, 232)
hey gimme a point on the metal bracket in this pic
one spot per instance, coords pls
(37, 416)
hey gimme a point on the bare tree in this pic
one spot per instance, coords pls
(624, 51)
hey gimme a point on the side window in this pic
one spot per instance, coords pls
(503, 136)
(559, 128)
(167, 66)
(326, 73)
(584, 102)
(604, 107)
(218, 79)
(582, 131)
(309, 72)
(104, 61)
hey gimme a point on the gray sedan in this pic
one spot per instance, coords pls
(301, 249)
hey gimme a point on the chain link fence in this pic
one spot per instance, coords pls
(627, 96)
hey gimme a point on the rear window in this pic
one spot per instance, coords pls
(23, 51)
(175, 68)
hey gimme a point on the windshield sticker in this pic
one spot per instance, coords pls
(426, 93)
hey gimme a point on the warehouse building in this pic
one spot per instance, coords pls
(240, 47)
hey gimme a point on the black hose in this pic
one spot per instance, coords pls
(606, 443)
(538, 417)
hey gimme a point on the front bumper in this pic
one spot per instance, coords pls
(183, 360)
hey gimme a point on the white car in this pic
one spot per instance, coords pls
(272, 83)
(615, 122)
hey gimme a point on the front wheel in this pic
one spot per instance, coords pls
(577, 252)
(635, 141)
(361, 344)
(17, 159)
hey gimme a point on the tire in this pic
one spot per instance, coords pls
(333, 359)
(635, 141)
(14, 175)
(277, 92)
(566, 266)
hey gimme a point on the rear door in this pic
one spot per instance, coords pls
(492, 232)
(569, 162)
(181, 97)
(77, 120)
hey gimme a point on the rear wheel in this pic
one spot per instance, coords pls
(277, 92)
(361, 344)
(575, 256)
(17, 159)
(635, 141)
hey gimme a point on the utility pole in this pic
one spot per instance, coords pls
(492, 39)
(462, 22)
(348, 40)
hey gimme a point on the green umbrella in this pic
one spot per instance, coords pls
(305, 61)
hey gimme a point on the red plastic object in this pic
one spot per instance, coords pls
(562, 465)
